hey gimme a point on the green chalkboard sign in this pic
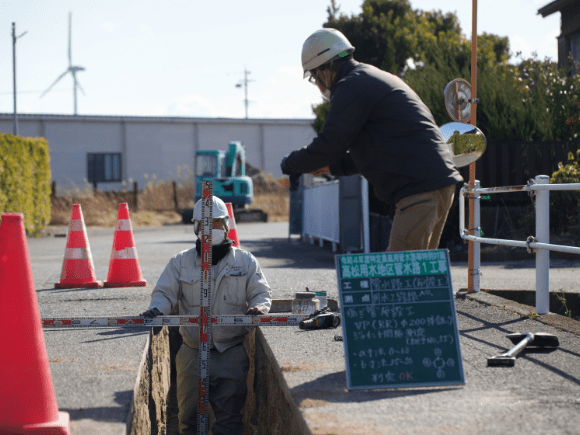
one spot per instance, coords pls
(398, 320)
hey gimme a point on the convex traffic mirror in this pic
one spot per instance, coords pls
(466, 142)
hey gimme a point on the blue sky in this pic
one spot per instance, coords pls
(185, 57)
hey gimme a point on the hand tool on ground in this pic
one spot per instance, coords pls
(521, 341)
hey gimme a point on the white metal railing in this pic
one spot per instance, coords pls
(320, 213)
(540, 243)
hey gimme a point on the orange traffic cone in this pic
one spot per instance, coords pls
(124, 270)
(233, 233)
(78, 270)
(27, 399)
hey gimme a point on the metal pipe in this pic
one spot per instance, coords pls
(519, 244)
(14, 38)
(526, 188)
(365, 215)
(475, 272)
(14, 77)
(567, 186)
(462, 212)
(543, 255)
(505, 242)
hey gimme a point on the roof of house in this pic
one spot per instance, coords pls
(555, 6)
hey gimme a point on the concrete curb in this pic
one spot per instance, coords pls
(557, 321)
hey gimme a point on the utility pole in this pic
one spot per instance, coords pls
(14, 38)
(245, 84)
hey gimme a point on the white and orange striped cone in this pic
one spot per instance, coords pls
(78, 270)
(27, 398)
(124, 270)
(233, 233)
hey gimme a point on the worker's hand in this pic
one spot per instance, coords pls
(254, 312)
(284, 166)
(152, 313)
(322, 171)
(294, 182)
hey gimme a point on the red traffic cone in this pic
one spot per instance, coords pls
(77, 267)
(124, 270)
(233, 233)
(27, 399)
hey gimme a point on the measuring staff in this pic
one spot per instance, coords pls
(238, 287)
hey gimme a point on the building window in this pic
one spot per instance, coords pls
(104, 167)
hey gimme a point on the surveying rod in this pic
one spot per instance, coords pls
(204, 308)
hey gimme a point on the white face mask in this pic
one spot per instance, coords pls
(217, 236)
(326, 92)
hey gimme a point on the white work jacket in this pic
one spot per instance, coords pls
(237, 284)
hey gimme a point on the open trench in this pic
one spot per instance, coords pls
(269, 407)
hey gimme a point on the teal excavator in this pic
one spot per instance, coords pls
(227, 170)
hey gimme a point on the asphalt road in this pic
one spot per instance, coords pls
(94, 370)
(270, 244)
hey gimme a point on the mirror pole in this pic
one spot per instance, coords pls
(472, 121)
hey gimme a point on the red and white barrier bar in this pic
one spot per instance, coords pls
(139, 321)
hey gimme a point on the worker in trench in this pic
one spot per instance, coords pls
(377, 126)
(238, 287)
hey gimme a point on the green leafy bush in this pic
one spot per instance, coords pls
(565, 205)
(25, 180)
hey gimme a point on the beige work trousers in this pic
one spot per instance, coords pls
(419, 220)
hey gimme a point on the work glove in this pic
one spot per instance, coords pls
(294, 182)
(284, 166)
(254, 312)
(152, 313)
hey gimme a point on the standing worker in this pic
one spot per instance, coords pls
(379, 127)
(238, 287)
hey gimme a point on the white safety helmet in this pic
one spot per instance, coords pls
(323, 46)
(219, 211)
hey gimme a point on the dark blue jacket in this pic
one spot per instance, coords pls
(379, 127)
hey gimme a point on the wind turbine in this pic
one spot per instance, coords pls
(71, 69)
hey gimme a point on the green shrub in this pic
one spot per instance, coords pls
(25, 180)
(565, 205)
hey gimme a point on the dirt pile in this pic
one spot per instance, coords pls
(264, 182)
(270, 194)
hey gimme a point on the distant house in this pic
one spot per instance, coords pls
(569, 39)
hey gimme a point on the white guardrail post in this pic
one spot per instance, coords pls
(476, 272)
(542, 255)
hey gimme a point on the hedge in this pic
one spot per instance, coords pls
(25, 180)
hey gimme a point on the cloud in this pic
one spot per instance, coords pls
(545, 47)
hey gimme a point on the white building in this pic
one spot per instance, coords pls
(113, 149)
